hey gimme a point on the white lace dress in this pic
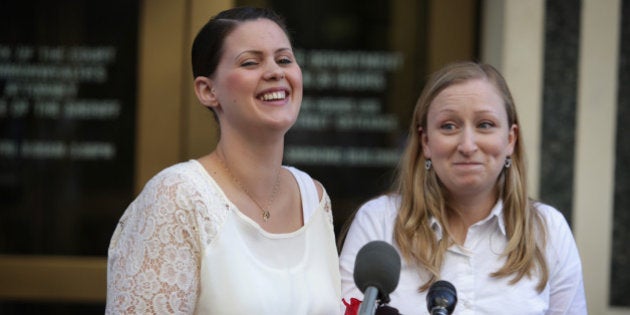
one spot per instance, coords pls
(182, 247)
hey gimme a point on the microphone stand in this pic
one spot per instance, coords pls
(369, 296)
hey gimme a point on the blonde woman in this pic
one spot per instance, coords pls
(460, 210)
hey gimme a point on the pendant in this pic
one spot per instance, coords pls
(266, 215)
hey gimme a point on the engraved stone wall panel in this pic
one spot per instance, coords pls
(562, 35)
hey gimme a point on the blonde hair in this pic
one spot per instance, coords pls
(423, 196)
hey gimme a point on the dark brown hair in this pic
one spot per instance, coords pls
(207, 47)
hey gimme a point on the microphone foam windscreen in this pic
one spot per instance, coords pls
(378, 265)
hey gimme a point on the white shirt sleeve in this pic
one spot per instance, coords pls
(153, 258)
(565, 268)
(373, 221)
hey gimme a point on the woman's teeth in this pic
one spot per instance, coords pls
(273, 96)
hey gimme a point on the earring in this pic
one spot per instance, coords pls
(428, 164)
(508, 162)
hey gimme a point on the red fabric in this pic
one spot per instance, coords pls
(352, 308)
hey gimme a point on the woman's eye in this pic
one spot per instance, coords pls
(486, 125)
(447, 126)
(248, 63)
(285, 61)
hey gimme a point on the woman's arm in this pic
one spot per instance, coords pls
(373, 221)
(565, 268)
(153, 259)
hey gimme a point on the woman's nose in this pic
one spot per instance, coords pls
(467, 142)
(274, 72)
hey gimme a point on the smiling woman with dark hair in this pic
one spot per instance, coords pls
(235, 231)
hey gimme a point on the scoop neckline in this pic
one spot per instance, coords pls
(233, 207)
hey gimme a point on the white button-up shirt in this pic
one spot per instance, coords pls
(469, 267)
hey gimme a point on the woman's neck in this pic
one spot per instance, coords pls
(252, 177)
(253, 163)
(464, 211)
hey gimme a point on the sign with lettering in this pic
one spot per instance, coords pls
(67, 116)
(346, 136)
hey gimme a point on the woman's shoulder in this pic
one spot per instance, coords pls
(301, 175)
(306, 179)
(561, 249)
(178, 186)
(190, 168)
(553, 217)
(382, 206)
(183, 173)
(185, 189)
(559, 235)
(167, 198)
(374, 220)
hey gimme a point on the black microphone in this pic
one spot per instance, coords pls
(441, 298)
(376, 274)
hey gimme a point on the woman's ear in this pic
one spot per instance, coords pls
(424, 142)
(512, 137)
(205, 93)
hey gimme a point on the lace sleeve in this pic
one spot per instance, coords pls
(154, 255)
(325, 204)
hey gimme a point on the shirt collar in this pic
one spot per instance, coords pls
(496, 212)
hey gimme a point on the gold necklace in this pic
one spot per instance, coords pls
(265, 211)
